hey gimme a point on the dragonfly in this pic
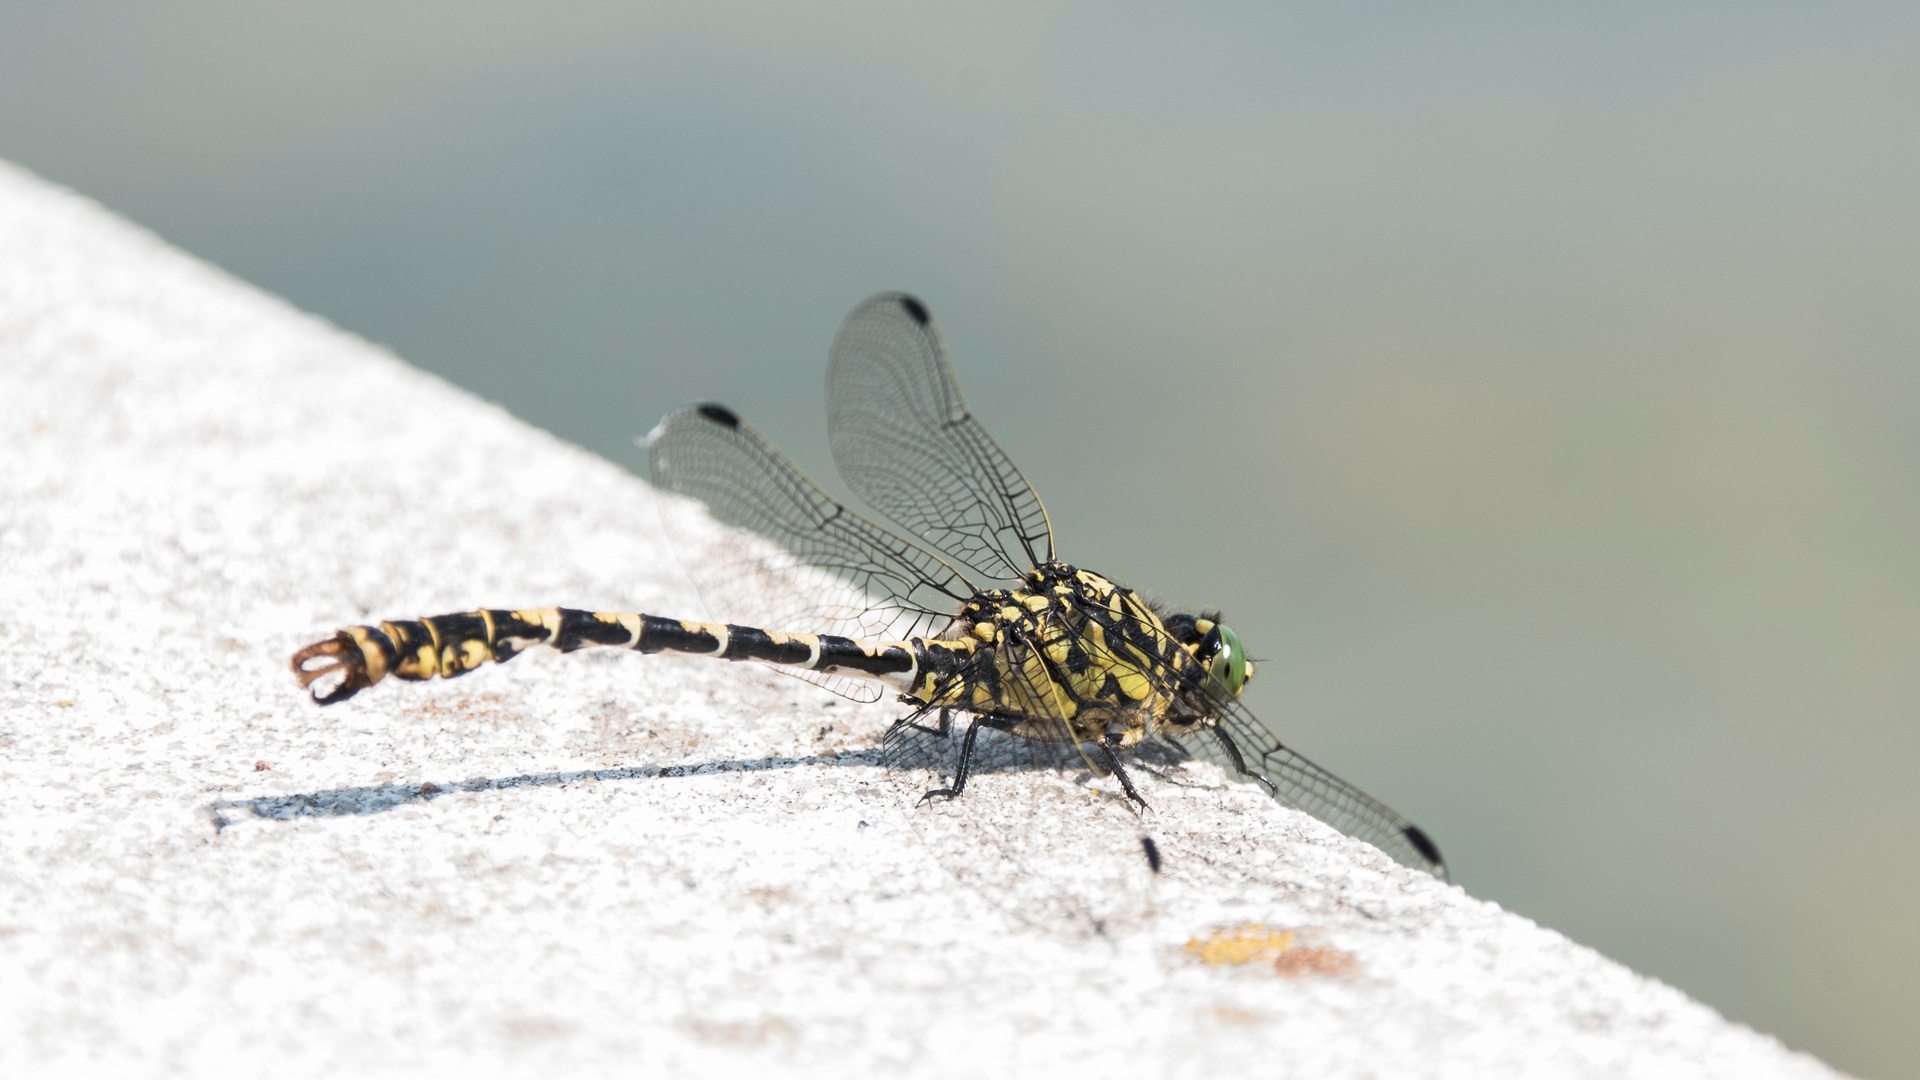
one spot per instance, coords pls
(962, 610)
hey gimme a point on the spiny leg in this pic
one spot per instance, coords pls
(1126, 782)
(966, 755)
(1240, 763)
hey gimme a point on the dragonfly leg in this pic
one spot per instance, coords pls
(966, 754)
(1126, 782)
(1240, 763)
(944, 731)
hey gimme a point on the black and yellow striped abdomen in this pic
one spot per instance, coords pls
(447, 646)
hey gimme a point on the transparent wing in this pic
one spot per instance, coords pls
(1229, 735)
(905, 442)
(810, 565)
(1208, 724)
(1299, 783)
(1203, 724)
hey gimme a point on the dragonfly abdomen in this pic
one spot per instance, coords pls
(447, 646)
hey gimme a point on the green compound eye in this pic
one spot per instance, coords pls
(1226, 661)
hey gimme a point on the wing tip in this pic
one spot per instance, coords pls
(1428, 850)
(915, 309)
(719, 414)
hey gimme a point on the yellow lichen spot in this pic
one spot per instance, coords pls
(1241, 945)
(1291, 958)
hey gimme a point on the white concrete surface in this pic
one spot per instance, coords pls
(634, 865)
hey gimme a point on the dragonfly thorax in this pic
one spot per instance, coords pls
(1071, 656)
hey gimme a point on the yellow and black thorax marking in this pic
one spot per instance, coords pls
(1071, 654)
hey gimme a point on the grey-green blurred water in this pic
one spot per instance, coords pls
(1536, 390)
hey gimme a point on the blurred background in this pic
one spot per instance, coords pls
(1537, 390)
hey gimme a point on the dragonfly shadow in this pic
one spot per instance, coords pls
(380, 798)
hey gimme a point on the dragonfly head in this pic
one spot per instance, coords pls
(1227, 666)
